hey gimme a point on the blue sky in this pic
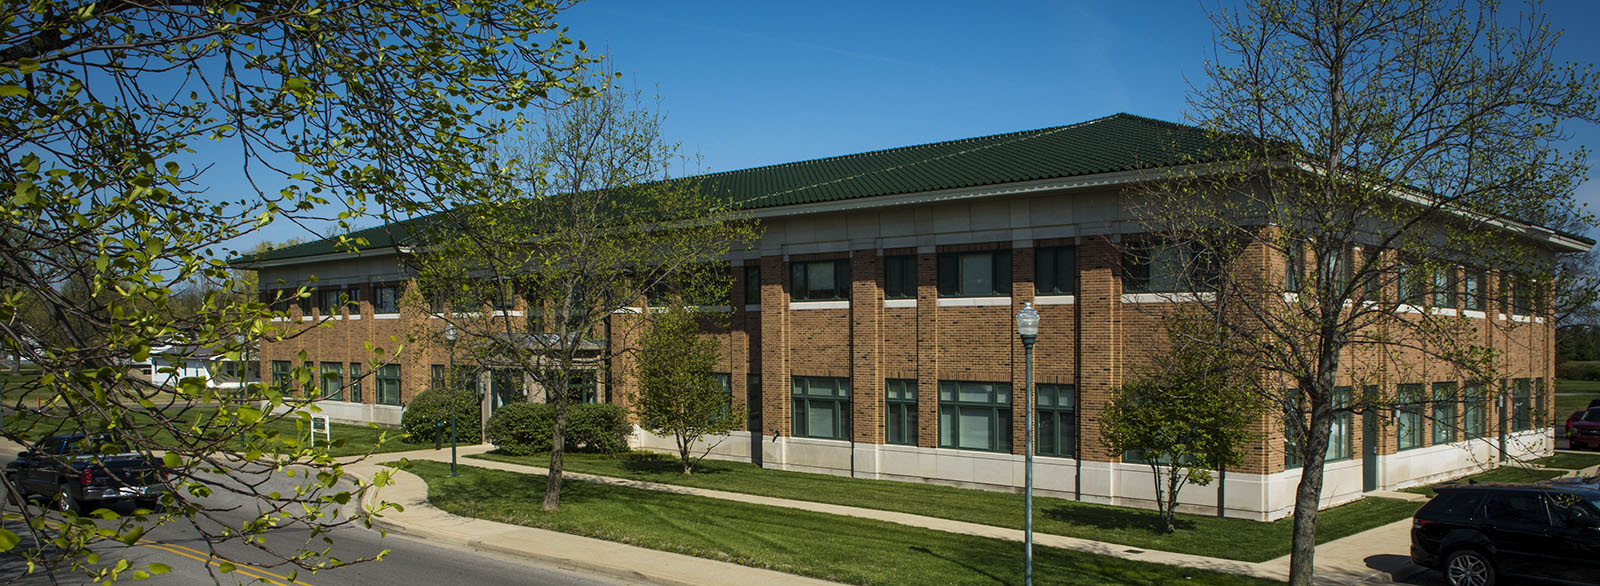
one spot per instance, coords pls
(755, 83)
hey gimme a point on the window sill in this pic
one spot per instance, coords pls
(1447, 311)
(1168, 297)
(1055, 300)
(753, 307)
(386, 316)
(354, 317)
(974, 301)
(900, 303)
(1473, 313)
(805, 305)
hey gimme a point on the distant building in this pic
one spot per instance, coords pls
(168, 365)
(871, 330)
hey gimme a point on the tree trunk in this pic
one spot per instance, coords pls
(683, 452)
(558, 442)
(1303, 542)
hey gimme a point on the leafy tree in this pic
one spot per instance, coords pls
(585, 222)
(678, 395)
(113, 110)
(1192, 414)
(1372, 147)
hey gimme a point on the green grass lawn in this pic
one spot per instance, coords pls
(348, 440)
(1237, 539)
(1502, 474)
(1572, 395)
(830, 547)
(1568, 461)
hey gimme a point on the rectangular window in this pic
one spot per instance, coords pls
(1474, 411)
(355, 382)
(1521, 296)
(332, 376)
(900, 277)
(1521, 405)
(975, 274)
(725, 380)
(821, 407)
(1444, 287)
(1167, 269)
(752, 284)
(436, 376)
(1444, 413)
(282, 375)
(582, 387)
(900, 425)
(1057, 407)
(1341, 437)
(389, 384)
(1294, 267)
(505, 387)
(975, 415)
(329, 301)
(1412, 281)
(1408, 419)
(821, 280)
(1472, 281)
(386, 299)
(1055, 270)
(305, 303)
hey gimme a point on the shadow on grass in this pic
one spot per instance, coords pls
(656, 464)
(1114, 519)
(962, 563)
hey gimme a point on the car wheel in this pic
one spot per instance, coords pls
(64, 501)
(1468, 567)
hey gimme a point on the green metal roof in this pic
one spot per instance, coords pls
(1120, 142)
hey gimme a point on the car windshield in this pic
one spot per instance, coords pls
(1591, 415)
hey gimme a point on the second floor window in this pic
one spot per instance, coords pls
(329, 300)
(975, 274)
(1472, 290)
(386, 299)
(819, 280)
(1444, 287)
(752, 285)
(900, 277)
(1167, 269)
(1055, 270)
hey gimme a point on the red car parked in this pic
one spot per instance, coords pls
(1583, 429)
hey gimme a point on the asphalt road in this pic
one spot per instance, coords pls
(409, 562)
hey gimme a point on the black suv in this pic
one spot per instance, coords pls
(1478, 533)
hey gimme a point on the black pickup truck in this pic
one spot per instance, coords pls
(76, 470)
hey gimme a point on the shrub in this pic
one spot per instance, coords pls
(597, 427)
(522, 429)
(427, 417)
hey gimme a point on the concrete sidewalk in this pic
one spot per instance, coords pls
(1377, 556)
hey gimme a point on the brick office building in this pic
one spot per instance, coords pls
(871, 331)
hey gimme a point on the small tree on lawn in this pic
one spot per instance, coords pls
(1187, 417)
(678, 395)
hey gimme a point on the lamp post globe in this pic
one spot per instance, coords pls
(1028, 330)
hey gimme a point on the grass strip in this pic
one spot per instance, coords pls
(1236, 539)
(1568, 461)
(830, 547)
(1502, 474)
(348, 439)
(1572, 395)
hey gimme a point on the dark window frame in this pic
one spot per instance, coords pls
(900, 411)
(381, 305)
(389, 385)
(805, 397)
(952, 279)
(900, 276)
(1446, 395)
(1473, 296)
(1199, 272)
(355, 369)
(800, 290)
(1410, 433)
(752, 284)
(332, 387)
(999, 405)
(1055, 270)
(1058, 417)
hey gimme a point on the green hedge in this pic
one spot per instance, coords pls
(521, 429)
(428, 417)
(1578, 371)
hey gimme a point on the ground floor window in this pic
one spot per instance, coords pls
(900, 418)
(505, 387)
(1521, 405)
(355, 382)
(332, 381)
(1474, 411)
(389, 384)
(582, 387)
(975, 415)
(1444, 413)
(1058, 420)
(821, 406)
(1341, 433)
(281, 374)
(1408, 420)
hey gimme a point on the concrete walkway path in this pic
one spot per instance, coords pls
(1377, 556)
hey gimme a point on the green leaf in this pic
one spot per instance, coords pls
(158, 568)
(8, 539)
(171, 460)
(11, 91)
(226, 567)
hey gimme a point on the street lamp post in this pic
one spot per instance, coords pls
(1028, 330)
(450, 379)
